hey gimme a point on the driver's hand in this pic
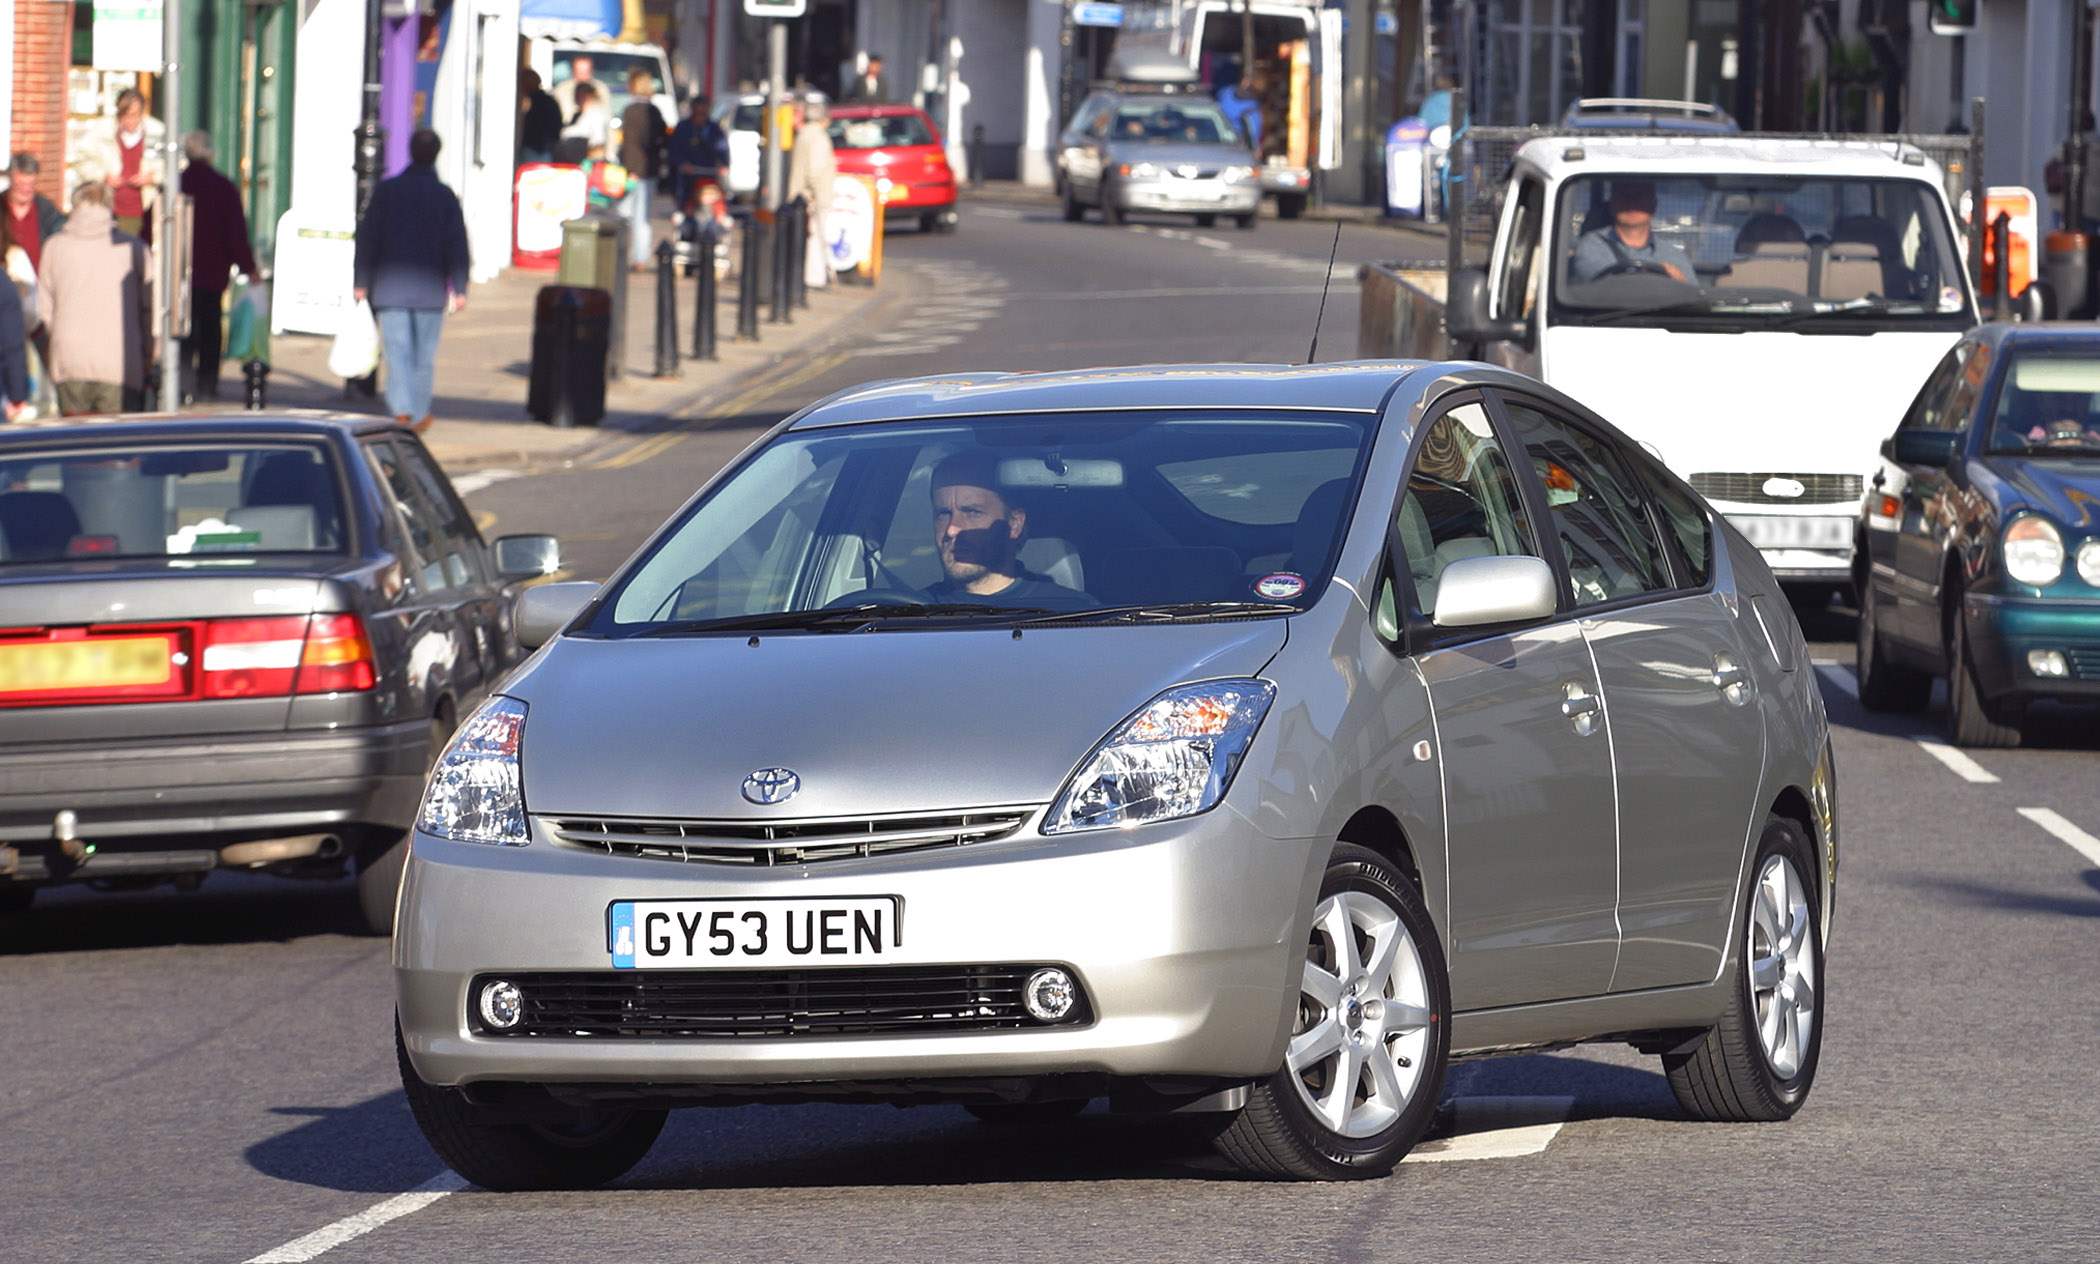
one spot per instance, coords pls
(1675, 273)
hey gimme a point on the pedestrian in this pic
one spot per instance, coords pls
(589, 128)
(642, 142)
(124, 153)
(539, 120)
(96, 299)
(812, 170)
(218, 245)
(34, 218)
(699, 152)
(870, 86)
(411, 265)
(15, 322)
(582, 73)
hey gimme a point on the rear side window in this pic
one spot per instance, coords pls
(1686, 523)
(202, 501)
(1604, 531)
(884, 131)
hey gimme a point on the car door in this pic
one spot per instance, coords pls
(1926, 512)
(434, 659)
(1522, 739)
(474, 593)
(1687, 737)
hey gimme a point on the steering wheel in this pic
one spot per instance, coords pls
(878, 597)
(1635, 267)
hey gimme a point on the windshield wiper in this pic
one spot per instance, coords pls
(841, 616)
(1864, 307)
(1686, 306)
(1162, 612)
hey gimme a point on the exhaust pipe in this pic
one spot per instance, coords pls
(270, 851)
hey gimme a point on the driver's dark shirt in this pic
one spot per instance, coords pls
(1028, 589)
(1594, 255)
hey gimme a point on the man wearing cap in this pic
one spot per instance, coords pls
(978, 530)
(1628, 243)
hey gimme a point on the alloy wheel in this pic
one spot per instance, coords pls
(1782, 967)
(1361, 1042)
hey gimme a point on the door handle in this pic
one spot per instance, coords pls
(1731, 679)
(1580, 707)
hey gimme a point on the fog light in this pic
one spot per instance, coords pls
(2048, 663)
(502, 1005)
(1049, 994)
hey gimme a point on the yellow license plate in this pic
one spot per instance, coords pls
(110, 662)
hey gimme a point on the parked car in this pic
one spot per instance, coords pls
(1150, 151)
(1979, 547)
(900, 149)
(1241, 740)
(1642, 114)
(233, 642)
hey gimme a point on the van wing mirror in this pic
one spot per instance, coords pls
(1476, 591)
(539, 613)
(1934, 448)
(1466, 316)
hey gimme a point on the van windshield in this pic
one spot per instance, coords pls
(1758, 251)
(1074, 518)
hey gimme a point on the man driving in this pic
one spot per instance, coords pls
(1628, 244)
(978, 531)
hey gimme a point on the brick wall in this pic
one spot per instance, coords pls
(43, 51)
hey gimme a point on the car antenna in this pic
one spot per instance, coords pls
(1326, 283)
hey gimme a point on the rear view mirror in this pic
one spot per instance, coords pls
(1934, 448)
(1466, 312)
(1476, 591)
(539, 614)
(527, 556)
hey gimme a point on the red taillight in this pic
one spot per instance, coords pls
(276, 657)
(1888, 507)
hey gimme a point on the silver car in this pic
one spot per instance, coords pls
(1156, 153)
(1247, 741)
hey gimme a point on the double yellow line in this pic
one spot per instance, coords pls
(647, 450)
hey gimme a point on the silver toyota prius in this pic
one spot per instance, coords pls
(1244, 741)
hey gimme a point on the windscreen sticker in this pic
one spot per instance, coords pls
(1282, 586)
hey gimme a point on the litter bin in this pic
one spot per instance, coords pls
(571, 328)
(594, 255)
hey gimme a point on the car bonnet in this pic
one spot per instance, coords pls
(903, 720)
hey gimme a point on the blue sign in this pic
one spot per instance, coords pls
(1097, 15)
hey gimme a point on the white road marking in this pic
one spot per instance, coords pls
(2073, 837)
(1838, 677)
(1957, 763)
(474, 480)
(1496, 1128)
(997, 212)
(329, 1237)
(1213, 243)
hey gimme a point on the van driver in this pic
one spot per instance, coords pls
(978, 532)
(1628, 243)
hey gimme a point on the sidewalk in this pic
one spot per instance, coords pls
(485, 361)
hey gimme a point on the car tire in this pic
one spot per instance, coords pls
(1972, 719)
(1074, 210)
(1247, 221)
(1759, 1062)
(1883, 685)
(1111, 214)
(512, 1157)
(1366, 1014)
(1206, 221)
(1290, 205)
(1026, 1114)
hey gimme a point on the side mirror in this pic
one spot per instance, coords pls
(1934, 448)
(527, 556)
(1475, 591)
(1466, 312)
(539, 614)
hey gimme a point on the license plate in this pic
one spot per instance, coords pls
(698, 934)
(1197, 190)
(1771, 532)
(103, 662)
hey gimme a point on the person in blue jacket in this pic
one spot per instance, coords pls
(14, 356)
(411, 264)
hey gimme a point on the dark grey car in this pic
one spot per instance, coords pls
(233, 642)
(1155, 152)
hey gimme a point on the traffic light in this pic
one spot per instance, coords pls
(1952, 17)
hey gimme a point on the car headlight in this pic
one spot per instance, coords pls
(1141, 170)
(1235, 175)
(1175, 757)
(2034, 552)
(2089, 562)
(477, 791)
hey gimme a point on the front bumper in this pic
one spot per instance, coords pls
(1186, 939)
(2003, 630)
(1187, 197)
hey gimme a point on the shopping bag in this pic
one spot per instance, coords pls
(356, 349)
(240, 327)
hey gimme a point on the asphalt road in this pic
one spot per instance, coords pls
(208, 1075)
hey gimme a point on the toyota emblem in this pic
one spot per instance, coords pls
(772, 785)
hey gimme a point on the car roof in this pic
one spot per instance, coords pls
(2048, 333)
(1686, 153)
(275, 423)
(1356, 386)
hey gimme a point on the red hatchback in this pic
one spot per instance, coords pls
(898, 146)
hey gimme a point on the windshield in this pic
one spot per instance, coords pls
(169, 500)
(2047, 406)
(1185, 120)
(1070, 517)
(882, 131)
(1756, 251)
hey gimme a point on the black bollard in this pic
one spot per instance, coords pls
(977, 156)
(747, 283)
(704, 295)
(561, 371)
(777, 313)
(666, 309)
(2001, 266)
(798, 266)
(256, 374)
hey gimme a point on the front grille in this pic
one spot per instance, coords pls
(2085, 663)
(805, 842)
(862, 1001)
(1749, 489)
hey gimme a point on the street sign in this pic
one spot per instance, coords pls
(775, 8)
(128, 35)
(1097, 15)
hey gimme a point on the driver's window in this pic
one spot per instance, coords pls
(1462, 501)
